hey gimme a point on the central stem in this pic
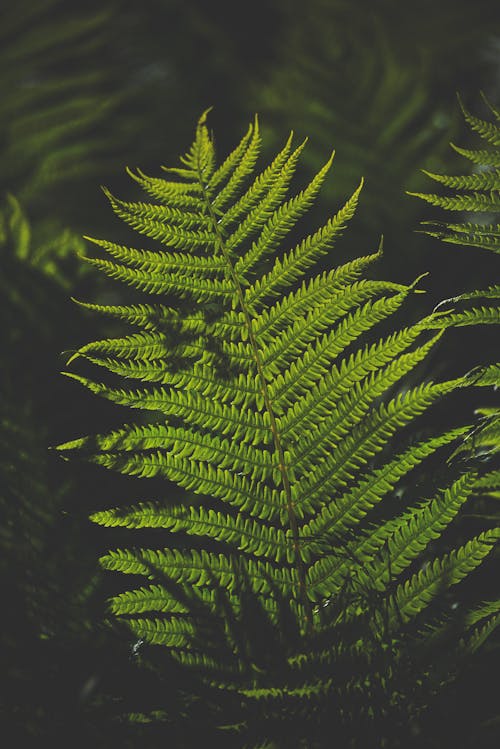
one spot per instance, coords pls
(292, 517)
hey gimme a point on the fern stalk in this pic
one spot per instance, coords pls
(299, 562)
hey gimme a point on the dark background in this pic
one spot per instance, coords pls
(89, 88)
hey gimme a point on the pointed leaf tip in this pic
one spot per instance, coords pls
(416, 281)
(72, 358)
(107, 192)
(204, 116)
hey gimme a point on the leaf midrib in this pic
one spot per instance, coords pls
(292, 518)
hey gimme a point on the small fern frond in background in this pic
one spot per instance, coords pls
(62, 121)
(54, 258)
(477, 196)
(48, 112)
(474, 193)
(284, 570)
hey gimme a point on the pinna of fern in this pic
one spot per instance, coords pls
(269, 400)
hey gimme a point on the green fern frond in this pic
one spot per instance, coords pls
(402, 540)
(52, 256)
(481, 157)
(268, 400)
(480, 202)
(489, 131)
(412, 532)
(467, 233)
(417, 592)
(477, 316)
(488, 609)
(481, 623)
(481, 181)
(245, 534)
(174, 632)
(477, 192)
(347, 510)
(489, 481)
(481, 634)
(294, 263)
(140, 601)
(145, 316)
(489, 375)
(492, 292)
(199, 568)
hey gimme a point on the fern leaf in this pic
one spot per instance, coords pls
(277, 181)
(487, 130)
(177, 195)
(489, 481)
(364, 443)
(278, 353)
(224, 171)
(386, 550)
(281, 223)
(155, 282)
(481, 181)
(174, 632)
(483, 611)
(475, 235)
(297, 261)
(486, 376)
(317, 290)
(239, 173)
(481, 634)
(191, 406)
(269, 401)
(245, 534)
(307, 408)
(152, 598)
(145, 316)
(481, 157)
(414, 531)
(161, 261)
(316, 361)
(197, 568)
(339, 515)
(259, 188)
(417, 592)
(487, 202)
(478, 192)
(475, 316)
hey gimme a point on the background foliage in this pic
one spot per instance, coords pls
(89, 88)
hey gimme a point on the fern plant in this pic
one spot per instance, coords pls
(54, 99)
(476, 196)
(288, 577)
(471, 193)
